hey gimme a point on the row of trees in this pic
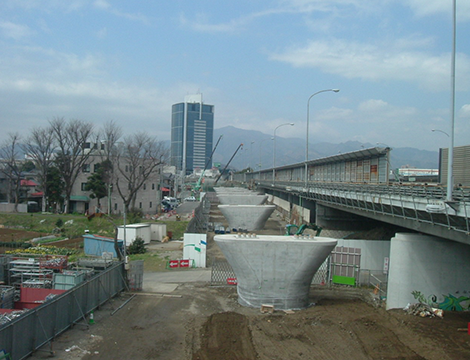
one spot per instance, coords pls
(61, 149)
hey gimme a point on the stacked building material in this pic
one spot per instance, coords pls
(7, 294)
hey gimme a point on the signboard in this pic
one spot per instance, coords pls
(232, 281)
(386, 263)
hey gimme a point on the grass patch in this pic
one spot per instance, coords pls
(75, 225)
(153, 261)
(177, 228)
(47, 241)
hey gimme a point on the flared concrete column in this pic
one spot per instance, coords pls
(248, 217)
(274, 270)
(242, 199)
(435, 267)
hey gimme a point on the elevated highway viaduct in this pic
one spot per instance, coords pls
(430, 252)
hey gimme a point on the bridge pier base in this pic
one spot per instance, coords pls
(436, 268)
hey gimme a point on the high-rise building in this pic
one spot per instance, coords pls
(192, 129)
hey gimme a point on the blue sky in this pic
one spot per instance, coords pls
(257, 62)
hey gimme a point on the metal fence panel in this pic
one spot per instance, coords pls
(45, 326)
(38, 326)
(322, 276)
(221, 272)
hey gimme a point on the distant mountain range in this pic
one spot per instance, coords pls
(258, 149)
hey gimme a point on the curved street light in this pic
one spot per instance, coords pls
(274, 148)
(433, 130)
(308, 115)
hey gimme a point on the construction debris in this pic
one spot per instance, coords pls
(7, 317)
(423, 310)
(267, 309)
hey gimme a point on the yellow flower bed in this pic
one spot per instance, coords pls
(43, 250)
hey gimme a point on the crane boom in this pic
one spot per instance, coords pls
(198, 184)
(238, 148)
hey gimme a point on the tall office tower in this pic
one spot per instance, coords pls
(192, 129)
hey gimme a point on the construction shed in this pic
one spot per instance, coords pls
(96, 245)
(133, 231)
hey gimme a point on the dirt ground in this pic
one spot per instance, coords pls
(10, 235)
(200, 322)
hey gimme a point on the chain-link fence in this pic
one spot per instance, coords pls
(198, 224)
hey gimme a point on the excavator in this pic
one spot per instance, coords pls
(292, 229)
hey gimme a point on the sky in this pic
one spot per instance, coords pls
(258, 63)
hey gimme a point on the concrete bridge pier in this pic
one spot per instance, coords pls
(248, 217)
(274, 269)
(439, 269)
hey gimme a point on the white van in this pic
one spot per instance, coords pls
(172, 201)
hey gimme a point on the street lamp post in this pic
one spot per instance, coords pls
(251, 152)
(308, 115)
(274, 148)
(450, 161)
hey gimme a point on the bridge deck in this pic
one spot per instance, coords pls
(421, 208)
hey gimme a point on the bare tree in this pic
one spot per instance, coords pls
(12, 167)
(71, 138)
(109, 135)
(136, 160)
(40, 148)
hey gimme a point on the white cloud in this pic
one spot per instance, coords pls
(201, 24)
(101, 4)
(102, 33)
(424, 8)
(201, 21)
(14, 31)
(309, 6)
(464, 111)
(373, 106)
(40, 84)
(395, 61)
(106, 6)
(47, 5)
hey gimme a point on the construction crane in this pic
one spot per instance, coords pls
(197, 187)
(235, 153)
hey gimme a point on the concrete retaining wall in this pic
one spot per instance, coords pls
(373, 252)
(5, 207)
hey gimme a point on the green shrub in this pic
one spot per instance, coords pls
(137, 247)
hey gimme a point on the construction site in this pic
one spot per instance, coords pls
(262, 287)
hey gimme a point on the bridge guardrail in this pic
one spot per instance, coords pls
(423, 203)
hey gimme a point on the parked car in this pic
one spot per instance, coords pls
(190, 198)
